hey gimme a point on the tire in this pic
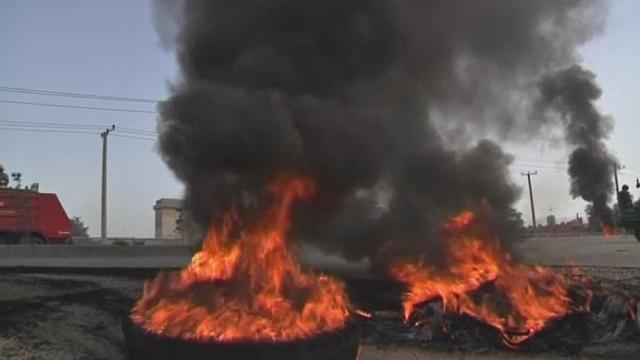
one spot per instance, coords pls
(340, 345)
(32, 240)
(637, 233)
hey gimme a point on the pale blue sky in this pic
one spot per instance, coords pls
(110, 48)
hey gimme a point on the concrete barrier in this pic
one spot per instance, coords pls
(133, 241)
(43, 251)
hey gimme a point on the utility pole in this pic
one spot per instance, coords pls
(533, 210)
(103, 222)
(615, 176)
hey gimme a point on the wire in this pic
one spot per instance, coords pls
(67, 128)
(542, 161)
(532, 159)
(133, 137)
(519, 164)
(67, 94)
(72, 132)
(48, 125)
(49, 130)
(141, 131)
(76, 106)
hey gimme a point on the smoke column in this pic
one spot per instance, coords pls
(571, 93)
(347, 92)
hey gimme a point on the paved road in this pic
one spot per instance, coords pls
(612, 251)
(94, 256)
(597, 251)
(137, 257)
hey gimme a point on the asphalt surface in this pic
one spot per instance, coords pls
(607, 251)
(612, 251)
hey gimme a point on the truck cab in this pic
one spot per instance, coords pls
(31, 217)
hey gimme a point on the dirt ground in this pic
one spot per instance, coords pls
(411, 353)
(63, 316)
(71, 316)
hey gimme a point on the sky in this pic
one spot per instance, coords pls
(111, 48)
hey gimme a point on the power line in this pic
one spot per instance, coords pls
(538, 161)
(133, 137)
(71, 132)
(531, 159)
(49, 125)
(48, 130)
(149, 132)
(528, 165)
(77, 106)
(67, 94)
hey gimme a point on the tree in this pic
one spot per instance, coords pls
(79, 230)
(594, 223)
(515, 218)
(4, 178)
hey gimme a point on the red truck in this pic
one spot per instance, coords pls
(30, 217)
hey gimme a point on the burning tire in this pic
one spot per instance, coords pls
(342, 344)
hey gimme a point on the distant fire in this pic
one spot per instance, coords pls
(484, 282)
(244, 284)
(608, 230)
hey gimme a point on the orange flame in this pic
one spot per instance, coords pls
(522, 299)
(244, 284)
(607, 230)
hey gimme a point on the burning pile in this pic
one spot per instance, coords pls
(383, 104)
(485, 283)
(245, 284)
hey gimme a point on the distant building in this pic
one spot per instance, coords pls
(173, 224)
(571, 227)
(551, 220)
(167, 215)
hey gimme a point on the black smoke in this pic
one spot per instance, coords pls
(571, 93)
(344, 91)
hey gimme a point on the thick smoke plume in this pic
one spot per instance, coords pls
(572, 92)
(345, 91)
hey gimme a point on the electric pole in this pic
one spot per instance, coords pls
(615, 176)
(103, 222)
(533, 210)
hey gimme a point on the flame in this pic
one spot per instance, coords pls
(244, 284)
(607, 230)
(484, 282)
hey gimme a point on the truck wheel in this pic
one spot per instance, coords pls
(32, 240)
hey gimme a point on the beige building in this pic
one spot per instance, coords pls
(167, 215)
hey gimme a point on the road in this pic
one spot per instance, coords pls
(591, 251)
(610, 251)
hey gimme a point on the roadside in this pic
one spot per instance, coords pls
(68, 317)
